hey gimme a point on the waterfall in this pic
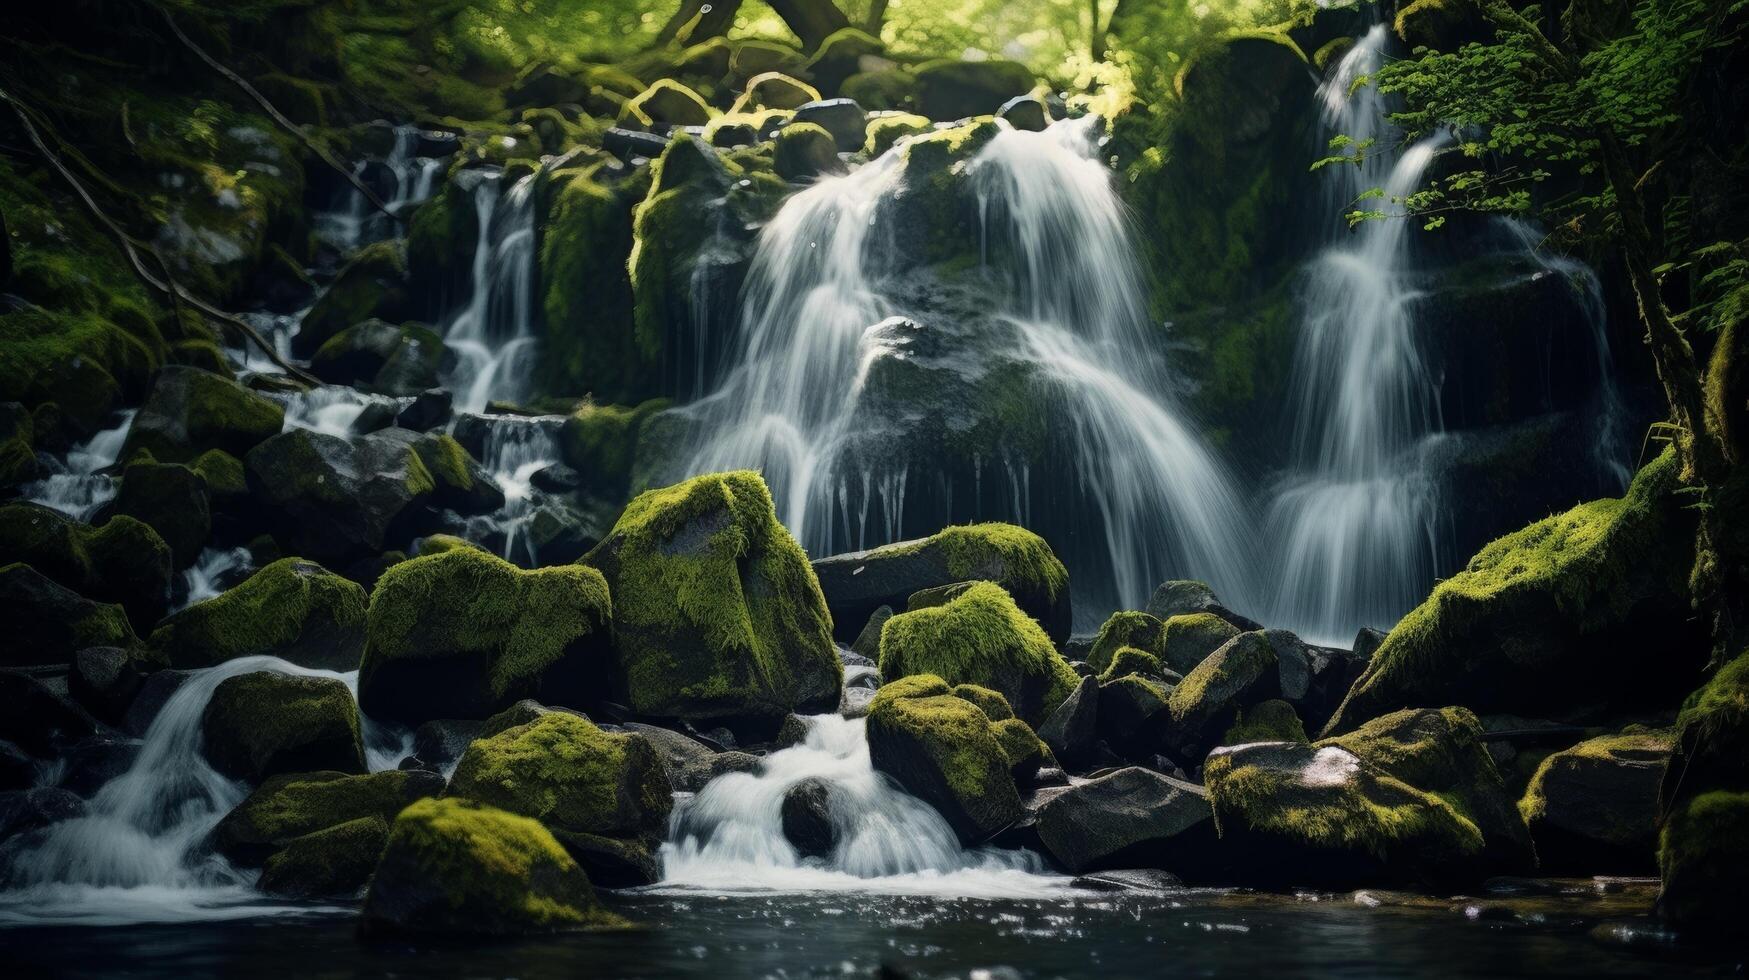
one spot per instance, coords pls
(137, 854)
(1354, 524)
(82, 487)
(356, 221)
(1063, 297)
(516, 448)
(493, 335)
(330, 409)
(216, 570)
(729, 837)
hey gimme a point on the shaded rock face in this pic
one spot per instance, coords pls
(1293, 814)
(1130, 818)
(1593, 808)
(336, 500)
(941, 750)
(292, 609)
(1245, 670)
(37, 719)
(121, 561)
(717, 615)
(453, 867)
(463, 634)
(1072, 730)
(266, 723)
(174, 501)
(332, 863)
(50, 623)
(189, 411)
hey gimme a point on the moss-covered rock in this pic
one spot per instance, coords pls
(1136, 630)
(717, 614)
(48, 623)
(1244, 671)
(292, 609)
(805, 151)
(121, 561)
(266, 723)
(991, 703)
(1270, 721)
(292, 806)
(981, 637)
(1441, 751)
(775, 90)
(382, 357)
(884, 89)
(1711, 745)
(886, 130)
(949, 89)
(1026, 752)
(335, 862)
(942, 749)
(1014, 558)
(459, 482)
(1593, 808)
(1134, 716)
(442, 236)
(1128, 661)
(1292, 814)
(1552, 617)
(579, 781)
(372, 284)
(1703, 857)
(337, 500)
(17, 445)
(601, 443)
(454, 867)
(190, 411)
(462, 634)
(666, 101)
(1186, 640)
(173, 500)
(586, 243)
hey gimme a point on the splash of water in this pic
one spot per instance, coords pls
(330, 409)
(83, 486)
(213, 572)
(493, 335)
(729, 838)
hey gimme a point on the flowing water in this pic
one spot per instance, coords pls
(83, 485)
(493, 335)
(214, 571)
(407, 178)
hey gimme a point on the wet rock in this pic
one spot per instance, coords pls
(708, 588)
(454, 867)
(333, 500)
(868, 642)
(267, 723)
(630, 144)
(335, 862)
(807, 818)
(1188, 638)
(292, 609)
(1183, 597)
(1133, 716)
(189, 411)
(950, 89)
(461, 483)
(22, 811)
(173, 500)
(438, 745)
(372, 285)
(1366, 642)
(1593, 808)
(155, 691)
(1129, 818)
(429, 410)
(293, 806)
(1025, 112)
(38, 719)
(1072, 730)
(1704, 857)
(382, 357)
(858, 583)
(1243, 671)
(842, 118)
(804, 152)
(121, 560)
(1147, 881)
(49, 623)
(941, 750)
(695, 775)
(557, 478)
(462, 634)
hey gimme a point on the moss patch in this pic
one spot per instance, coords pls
(293, 609)
(1135, 630)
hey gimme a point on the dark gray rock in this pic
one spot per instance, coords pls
(22, 811)
(1072, 730)
(1130, 818)
(843, 118)
(37, 719)
(1026, 112)
(428, 410)
(155, 691)
(807, 818)
(1180, 597)
(105, 680)
(94, 761)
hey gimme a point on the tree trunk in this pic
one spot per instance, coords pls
(1095, 33)
(877, 17)
(687, 11)
(717, 21)
(812, 20)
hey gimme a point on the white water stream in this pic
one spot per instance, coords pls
(82, 487)
(493, 335)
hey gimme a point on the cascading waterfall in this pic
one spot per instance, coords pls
(1353, 527)
(356, 221)
(82, 487)
(493, 336)
(136, 855)
(215, 570)
(329, 409)
(730, 836)
(824, 275)
(516, 448)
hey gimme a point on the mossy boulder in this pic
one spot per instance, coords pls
(292, 609)
(1183, 597)
(858, 583)
(382, 357)
(122, 560)
(586, 243)
(775, 90)
(601, 443)
(293, 806)
(173, 500)
(1703, 857)
(994, 706)
(442, 236)
(48, 623)
(455, 867)
(335, 862)
(582, 783)
(1711, 744)
(1441, 751)
(1026, 752)
(805, 151)
(18, 463)
(757, 56)
(942, 750)
(459, 482)
(1593, 808)
(843, 118)
(949, 89)
(1243, 671)
(1131, 818)
(338, 500)
(884, 89)
(84, 363)
(1270, 721)
(463, 634)
(666, 101)
(1125, 628)
(373, 284)
(189, 411)
(1187, 639)
(1552, 618)
(266, 723)
(1291, 814)
(1134, 716)
(717, 614)
(888, 129)
(980, 637)
(1129, 661)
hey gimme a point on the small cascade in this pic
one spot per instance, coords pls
(137, 854)
(516, 448)
(329, 409)
(1353, 525)
(401, 179)
(729, 837)
(216, 570)
(83, 486)
(493, 336)
(1062, 298)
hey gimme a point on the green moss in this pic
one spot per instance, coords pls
(775, 90)
(1633, 742)
(17, 437)
(1272, 721)
(981, 637)
(993, 705)
(122, 560)
(884, 131)
(223, 474)
(1187, 640)
(570, 775)
(958, 738)
(804, 150)
(294, 609)
(372, 284)
(601, 443)
(1129, 660)
(935, 195)
(265, 723)
(190, 411)
(336, 861)
(586, 246)
(685, 181)
(1026, 752)
(1136, 630)
(1215, 675)
(453, 866)
(67, 627)
(1025, 561)
(914, 686)
(1703, 855)
(437, 544)
(295, 805)
(717, 609)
